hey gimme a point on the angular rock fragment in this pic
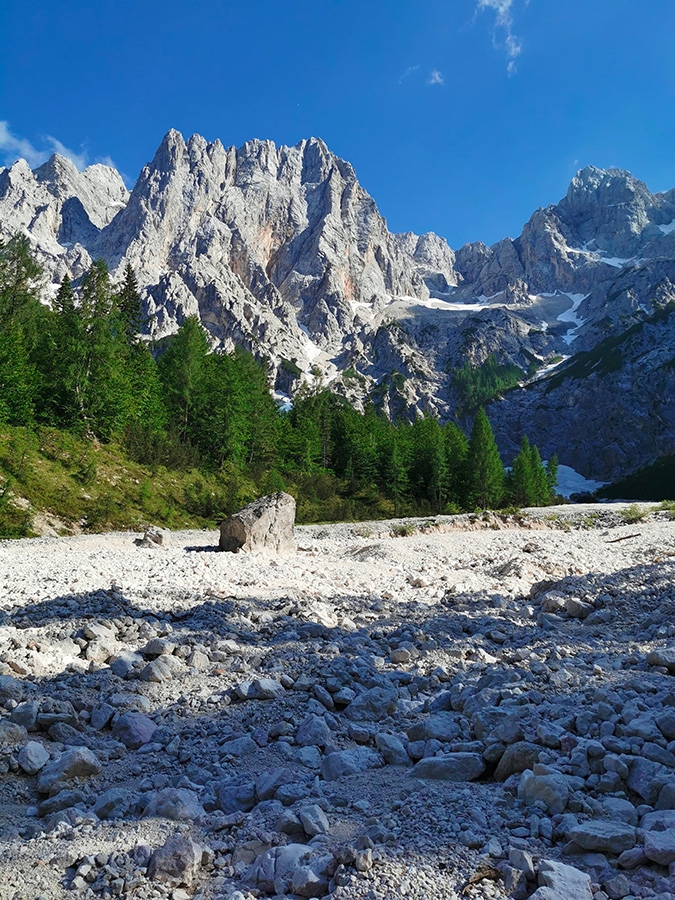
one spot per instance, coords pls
(177, 861)
(32, 757)
(76, 763)
(134, 729)
(265, 525)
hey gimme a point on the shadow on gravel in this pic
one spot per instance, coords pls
(284, 635)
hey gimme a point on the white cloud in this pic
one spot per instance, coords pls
(106, 161)
(408, 72)
(503, 10)
(13, 147)
(436, 77)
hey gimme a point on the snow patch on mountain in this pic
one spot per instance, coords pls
(571, 482)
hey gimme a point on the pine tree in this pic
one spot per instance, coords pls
(552, 476)
(456, 453)
(485, 472)
(128, 301)
(17, 377)
(523, 488)
(542, 491)
(183, 371)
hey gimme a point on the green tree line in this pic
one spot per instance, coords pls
(80, 365)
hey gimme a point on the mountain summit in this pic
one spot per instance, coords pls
(281, 250)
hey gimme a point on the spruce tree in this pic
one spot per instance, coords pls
(552, 476)
(523, 488)
(485, 472)
(128, 300)
(183, 371)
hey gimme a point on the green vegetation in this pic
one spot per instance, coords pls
(477, 385)
(99, 430)
(653, 482)
(633, 514)
(530, 483)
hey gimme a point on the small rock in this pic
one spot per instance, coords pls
(314, 820)
(134, 729)
(32, 757)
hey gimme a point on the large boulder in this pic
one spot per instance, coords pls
(264, 525)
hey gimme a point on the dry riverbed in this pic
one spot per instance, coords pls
(431, 709)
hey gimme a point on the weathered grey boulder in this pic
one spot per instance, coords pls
(349, 762)
(372, 705)
(453, 767)
(549, 786)
(314, 820)
(264, 525)
(562, 882)
(660, 846)
(604, 837)
(313, 732)
(32, 757)
(113, 803)
(11, 733)
(134, 729)
(277, 866)
(10, 689)
(664, 656)
(516, 758)
(442, 726)
(177, 861)
(235, 795)
(76, 763)
(177, 804)
(392, 749)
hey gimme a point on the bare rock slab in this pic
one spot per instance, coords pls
(265, 525)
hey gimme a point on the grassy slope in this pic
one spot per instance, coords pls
(74, 484)
(52, 480)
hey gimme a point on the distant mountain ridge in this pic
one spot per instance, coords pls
(281, 250)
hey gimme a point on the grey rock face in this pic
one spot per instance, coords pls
(265, 525)
(281, 251)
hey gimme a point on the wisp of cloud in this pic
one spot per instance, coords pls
(504, 20)
(13, 147)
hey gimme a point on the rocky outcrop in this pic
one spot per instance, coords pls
(280, 250)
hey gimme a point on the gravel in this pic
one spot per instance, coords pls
(475, 706)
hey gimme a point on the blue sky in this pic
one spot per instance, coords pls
(459, 116)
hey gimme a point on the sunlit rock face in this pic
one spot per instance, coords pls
(280, 250)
